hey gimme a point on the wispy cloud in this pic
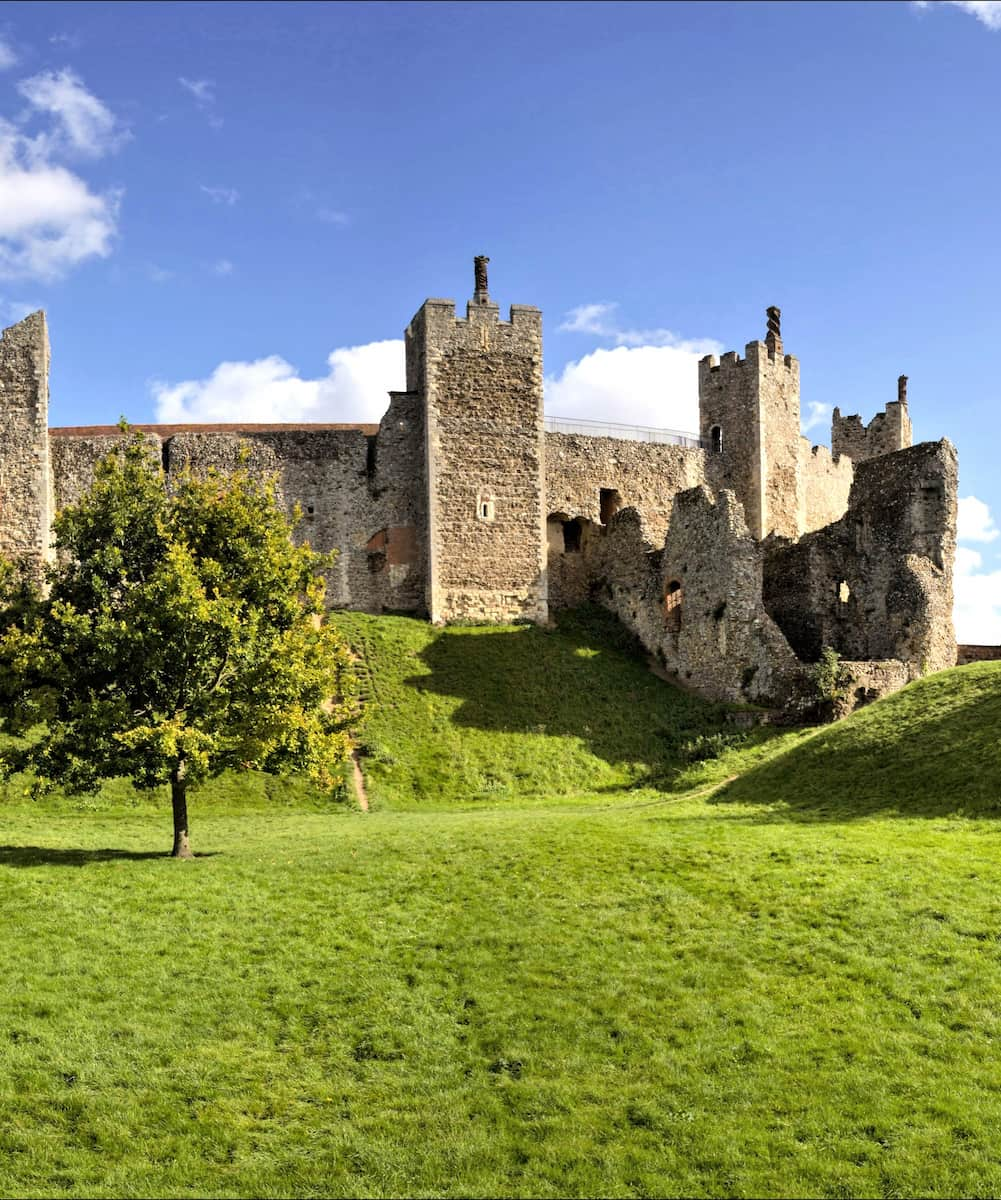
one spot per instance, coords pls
(221, 195)
(159, 274)
(84, 125)
(8, 58)
(987, 12)
(203, 91)
(71, 41)
(332, 216)
(600, 320)
(815, 414)
(222, 267)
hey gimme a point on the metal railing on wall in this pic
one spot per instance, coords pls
(629, 433)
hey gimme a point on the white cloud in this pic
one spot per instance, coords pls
(159, 274)
(332, 216)
(50, 220)
(221, 195)
(271, 389)
(84, 125)
(987, 12)
(976, 523)
(7, 56)
(977, 611)
(655, 386)
(222, 267)
(203, 90)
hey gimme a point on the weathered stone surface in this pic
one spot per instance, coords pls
(25, 476)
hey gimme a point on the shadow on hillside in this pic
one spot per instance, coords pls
(918, 754)
(584, 680)
(49, 856)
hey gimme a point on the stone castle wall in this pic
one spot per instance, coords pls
(734, 563)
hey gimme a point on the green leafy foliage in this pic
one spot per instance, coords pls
(181, 634)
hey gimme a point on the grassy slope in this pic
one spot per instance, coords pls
(639, 993)
(518, 714)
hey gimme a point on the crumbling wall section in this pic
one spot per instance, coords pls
(877, 584)
(886, 433)
(25, 474)
(697, 603)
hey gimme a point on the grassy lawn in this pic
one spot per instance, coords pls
(636, 986)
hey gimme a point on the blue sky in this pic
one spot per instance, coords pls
(234, 209)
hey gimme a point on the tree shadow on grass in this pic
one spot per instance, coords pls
(584, 680)
(932, 750)
(53, 856)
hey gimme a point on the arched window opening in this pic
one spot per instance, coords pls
(716, 440)
(485, 510)
(673, 598)
(571, 536)
(610, 502)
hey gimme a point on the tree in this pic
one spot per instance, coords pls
(182, 632)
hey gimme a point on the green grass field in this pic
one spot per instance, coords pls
(558, 957)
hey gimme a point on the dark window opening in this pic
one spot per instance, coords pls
(610, 503)
(716, 440)
(571, 536)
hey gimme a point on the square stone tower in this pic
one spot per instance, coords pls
(480, 380)
(25, 475)
(749, 424)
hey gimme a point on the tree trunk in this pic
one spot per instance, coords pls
(179, 800)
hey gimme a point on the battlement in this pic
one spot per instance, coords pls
(756, 355)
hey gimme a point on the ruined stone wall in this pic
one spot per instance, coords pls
(25, 476)
(886, 433)
(697, 602)
(641, 475)
(359, 494)
(877, 584)
(825, 483)
(974, 654)
(749, 420)
(481, 381)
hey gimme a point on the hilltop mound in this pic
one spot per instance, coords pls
(933, 749)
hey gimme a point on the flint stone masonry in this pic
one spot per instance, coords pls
(25, 479)
(481, 379)
(735, 563)
(974, 654)
(878, 583)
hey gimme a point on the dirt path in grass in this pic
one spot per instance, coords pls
(359, 781)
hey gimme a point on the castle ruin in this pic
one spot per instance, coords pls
(736, 554)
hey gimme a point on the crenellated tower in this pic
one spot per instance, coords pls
(25, 475)
(749, 424)
(480, 382)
